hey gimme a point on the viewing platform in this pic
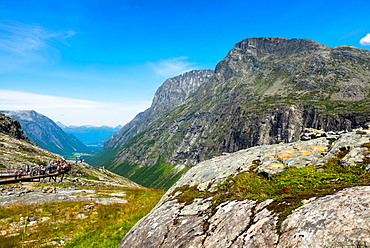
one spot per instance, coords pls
(10, 176)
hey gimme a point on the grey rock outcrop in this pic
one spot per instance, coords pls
(176, 90)
(175, 225)
(337, 220)
(11, 127)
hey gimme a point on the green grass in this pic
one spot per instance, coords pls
(73, 156)
(85, 174)
(105, 225)
(159, 176)
(288, 188)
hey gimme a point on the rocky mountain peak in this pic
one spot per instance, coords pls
(176, 89)
(295, 68)
(26, 115)
(172, 93)
(278, 45)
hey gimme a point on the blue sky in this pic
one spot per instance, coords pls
(100, 62)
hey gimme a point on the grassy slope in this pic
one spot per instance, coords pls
(159, 176)
(105, 225)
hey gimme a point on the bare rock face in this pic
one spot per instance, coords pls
(172, 93)
(177, 89)
(341, 219)
(232, 224)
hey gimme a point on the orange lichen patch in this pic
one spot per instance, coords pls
(298, 148)
(284, 155)
(304, 153)
(276, 165)
(319, 148)
(301, 153)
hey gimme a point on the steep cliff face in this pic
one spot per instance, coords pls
(301, 194)
(46, 133)
(172, 93)
(11, 127)
(175, 90)
(265, 91)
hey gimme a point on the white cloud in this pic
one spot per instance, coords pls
(365, 41)
(27, 43)
(72, 111)
(173, 66)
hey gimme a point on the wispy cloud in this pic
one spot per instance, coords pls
(365, 41)
(173, 66)
(23, 42)
(72, 111)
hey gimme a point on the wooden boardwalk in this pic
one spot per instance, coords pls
(28, 178)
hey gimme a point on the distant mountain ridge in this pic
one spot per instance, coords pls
(89, 133)
(45, 133)
(265, 91)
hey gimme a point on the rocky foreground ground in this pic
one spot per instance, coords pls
(27, 194)
(83, 203)
(46, 190)
(196, 211)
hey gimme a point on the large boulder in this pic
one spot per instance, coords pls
(338, 219)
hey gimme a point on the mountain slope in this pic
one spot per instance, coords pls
(16, 151)
(265, 91)
(172, 93)
(45, 133)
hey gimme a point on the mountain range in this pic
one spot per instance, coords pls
(92, 136)
(46, 134)
(265, 91)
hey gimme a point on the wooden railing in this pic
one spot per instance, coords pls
(11, 176)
